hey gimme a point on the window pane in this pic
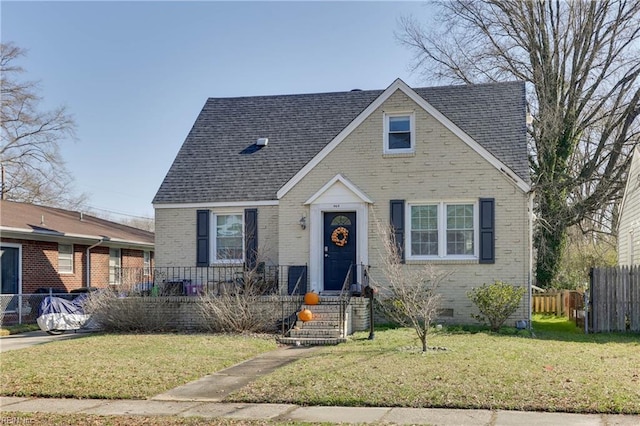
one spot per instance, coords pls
(460, 229)
(115, 272)
(229, 237)
(399, 140)
(65, 258)
(340, 220)
(399, 124)
(424, 230)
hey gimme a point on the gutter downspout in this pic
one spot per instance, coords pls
(88, 256)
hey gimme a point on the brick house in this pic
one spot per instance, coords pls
(46, 247)
(304, 178)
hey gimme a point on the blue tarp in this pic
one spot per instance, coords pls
(58, 305)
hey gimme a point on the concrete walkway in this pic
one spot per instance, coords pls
(31, 338)
(287, 412)
(202, 397)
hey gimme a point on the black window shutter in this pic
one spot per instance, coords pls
(202, 238)
(397, 225)
(487, 230)
(251, 237)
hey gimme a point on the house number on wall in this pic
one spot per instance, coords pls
(336, 206)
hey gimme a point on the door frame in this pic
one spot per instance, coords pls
(19, 247)
(316, 238)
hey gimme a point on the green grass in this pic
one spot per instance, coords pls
(16, 329)
(122, 366)
(560, 369)
(479, 369)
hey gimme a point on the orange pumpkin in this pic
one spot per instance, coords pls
(311, 298)
(305, 315)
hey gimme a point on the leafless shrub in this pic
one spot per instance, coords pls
(242, 306)
(114, 313)
(407, 295)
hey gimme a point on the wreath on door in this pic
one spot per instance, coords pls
(339, 236)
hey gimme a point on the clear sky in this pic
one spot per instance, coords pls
(135, 74)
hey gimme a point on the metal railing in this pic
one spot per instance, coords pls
(23, 308)
(212, 280)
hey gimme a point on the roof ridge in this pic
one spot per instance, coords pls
(367, 91)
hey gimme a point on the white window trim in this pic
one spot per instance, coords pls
(442, 231)
(213, 240)
(72, 263)
(412, 129)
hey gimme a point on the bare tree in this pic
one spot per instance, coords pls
(407, 296)
(32, 167)
(582, 64)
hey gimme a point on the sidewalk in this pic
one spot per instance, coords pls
(286, 412)
(202, 398)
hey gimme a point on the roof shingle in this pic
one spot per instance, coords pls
(219, 161)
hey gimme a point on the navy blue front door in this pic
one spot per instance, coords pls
(339, 248)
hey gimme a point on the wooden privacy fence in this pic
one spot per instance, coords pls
(615, 299)
(567, 303)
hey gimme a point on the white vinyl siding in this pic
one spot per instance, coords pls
(65, 258)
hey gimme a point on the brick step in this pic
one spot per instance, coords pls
(325, 316)
(314, 332)
(322, 308)
(305, 341)
(318, 324)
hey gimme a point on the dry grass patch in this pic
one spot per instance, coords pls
(48, 419)
(115, 366)
(591, 374)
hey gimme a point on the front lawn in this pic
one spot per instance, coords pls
(129, 366)
(558, 370)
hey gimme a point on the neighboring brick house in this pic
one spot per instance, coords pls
(629, 223)
(304, 178)
(45, 247)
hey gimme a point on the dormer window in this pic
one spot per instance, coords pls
(399, 133)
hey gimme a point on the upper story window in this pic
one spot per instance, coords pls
(65, 258)
(399, 133)
(228, 243)
(442, 230)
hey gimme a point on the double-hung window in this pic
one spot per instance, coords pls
(146, 263)
(115, 266)
(442, 230)
(228, 241)
(399, 133)
(65, 258)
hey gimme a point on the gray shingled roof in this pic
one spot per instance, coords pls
(35, 221)
(219, 161)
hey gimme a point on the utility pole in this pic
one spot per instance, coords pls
(2, 188)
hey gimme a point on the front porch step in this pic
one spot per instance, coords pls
(310, 341)
(335, 309)
(318, 324)
(325, 316)
(315, 333)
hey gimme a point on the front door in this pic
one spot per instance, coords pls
(9, 258)
(339, 248)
